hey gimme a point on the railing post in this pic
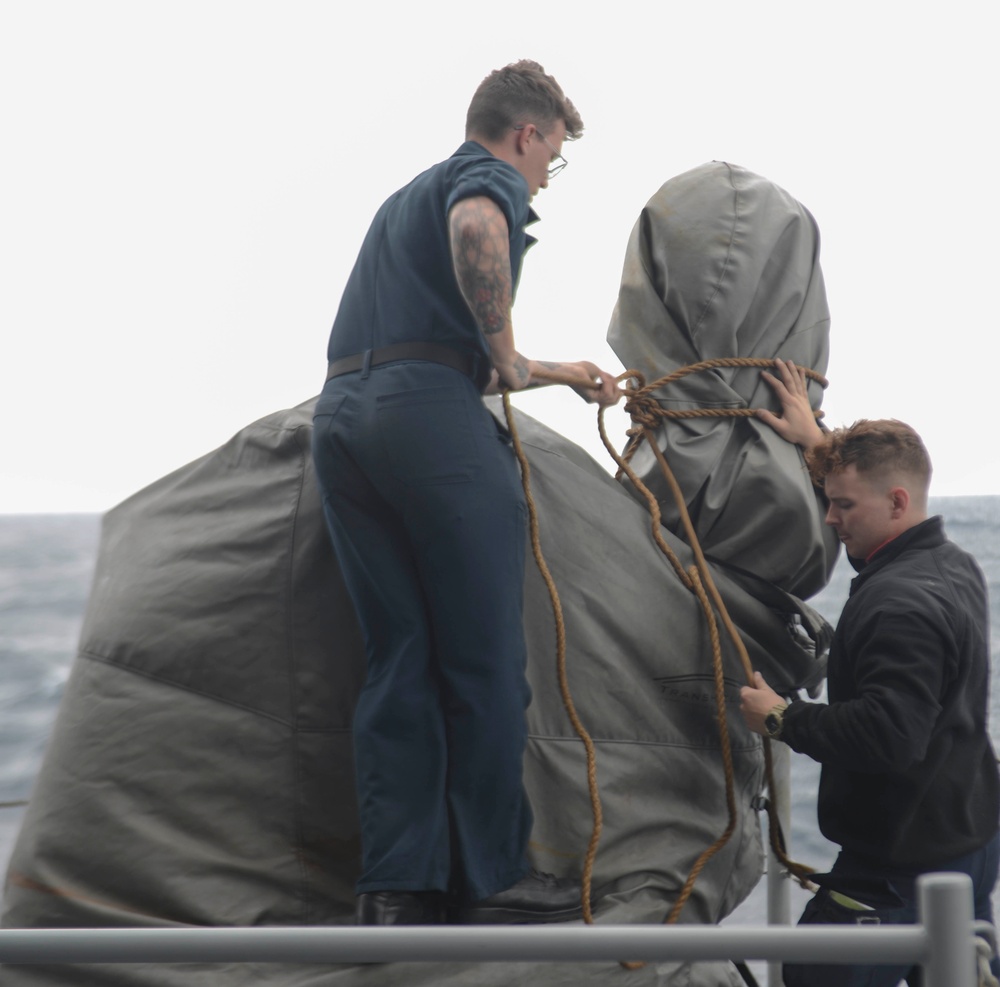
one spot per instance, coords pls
(946, 914)
(779, 910)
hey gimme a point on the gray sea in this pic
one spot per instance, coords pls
(46, 563)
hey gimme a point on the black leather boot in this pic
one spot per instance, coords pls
(399, 908)
(534, 899)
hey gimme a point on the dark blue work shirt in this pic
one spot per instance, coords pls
(403, 287)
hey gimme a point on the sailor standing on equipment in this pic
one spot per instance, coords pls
(909, 782)
(425, 509)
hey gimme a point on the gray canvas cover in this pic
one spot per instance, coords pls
(200, 768)
(724, 263)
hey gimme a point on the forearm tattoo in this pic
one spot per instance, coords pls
(482, 261)
(548, 365)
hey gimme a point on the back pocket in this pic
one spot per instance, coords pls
(428, 435)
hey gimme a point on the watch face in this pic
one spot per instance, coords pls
(772, 724)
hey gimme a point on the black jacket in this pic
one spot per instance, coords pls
(909, 774)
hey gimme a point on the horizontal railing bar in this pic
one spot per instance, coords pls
(345, 944)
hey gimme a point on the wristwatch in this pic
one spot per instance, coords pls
(775, 720)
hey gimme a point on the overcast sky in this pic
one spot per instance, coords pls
(185, 186)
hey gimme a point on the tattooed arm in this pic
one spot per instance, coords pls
(481, 255)
(596, 386)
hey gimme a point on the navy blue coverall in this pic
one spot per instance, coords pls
(424, 505)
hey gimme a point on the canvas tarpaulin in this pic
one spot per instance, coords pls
(724, 263)
(200, 769)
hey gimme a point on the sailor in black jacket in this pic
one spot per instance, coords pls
(909, 774)
(909, 780)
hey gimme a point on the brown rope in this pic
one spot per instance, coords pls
(646, 413)
(567, 698)
(641, 398)
(697, 579)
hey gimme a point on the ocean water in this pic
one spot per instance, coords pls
(46, 564)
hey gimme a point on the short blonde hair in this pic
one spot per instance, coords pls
(878, 449)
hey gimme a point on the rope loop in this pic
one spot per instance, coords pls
(647, 413)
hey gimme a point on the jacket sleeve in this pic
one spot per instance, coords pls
(894, 667)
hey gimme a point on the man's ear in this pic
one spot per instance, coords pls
(524, 137)
(899, 498)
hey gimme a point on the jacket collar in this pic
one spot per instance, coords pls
(926, 534)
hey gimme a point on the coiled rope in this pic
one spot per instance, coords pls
(646, 414)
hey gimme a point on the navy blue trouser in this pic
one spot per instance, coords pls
(981, 866)
(424, 505)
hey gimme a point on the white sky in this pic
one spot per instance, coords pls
(184, 187)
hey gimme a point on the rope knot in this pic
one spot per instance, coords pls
(642, 408)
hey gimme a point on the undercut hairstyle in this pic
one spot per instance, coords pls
(879, 450)
(520, 93)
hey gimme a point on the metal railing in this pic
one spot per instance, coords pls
(942, 942)
(779, 894)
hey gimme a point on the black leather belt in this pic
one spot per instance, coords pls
(434, 352)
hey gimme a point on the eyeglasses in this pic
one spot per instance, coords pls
(559, 162)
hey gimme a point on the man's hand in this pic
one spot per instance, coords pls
(797, 423)
(606, 394)
(756, 702)
(596, 386)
